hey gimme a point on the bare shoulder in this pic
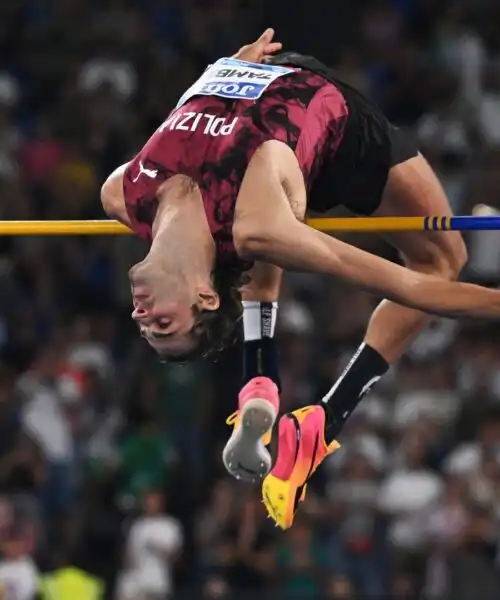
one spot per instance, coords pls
(112, 190)
(112, 196)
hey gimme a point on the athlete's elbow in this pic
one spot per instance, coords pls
(112, 198)
(109, 199)
(251, 243)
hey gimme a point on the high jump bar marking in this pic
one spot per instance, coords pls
(490, 222)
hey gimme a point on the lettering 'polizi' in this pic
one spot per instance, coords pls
(192, 121)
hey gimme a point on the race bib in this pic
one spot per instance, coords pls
(234, 79)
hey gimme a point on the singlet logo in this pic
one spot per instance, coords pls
(151, 173)
(234, 79)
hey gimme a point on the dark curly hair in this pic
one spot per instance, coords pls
(216, 330)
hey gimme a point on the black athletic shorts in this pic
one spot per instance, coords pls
(371, 146)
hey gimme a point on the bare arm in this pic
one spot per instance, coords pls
(265, 283)
(112, 191)
(112, 199)
(266, 229)
(295, 246)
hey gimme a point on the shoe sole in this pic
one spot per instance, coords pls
(245, 456)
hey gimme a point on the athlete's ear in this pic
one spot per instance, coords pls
(207, 299)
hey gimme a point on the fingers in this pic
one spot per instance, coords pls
(266, 37)
(263, 46)
(273, 48)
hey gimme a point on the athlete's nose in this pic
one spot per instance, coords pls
(139, 313)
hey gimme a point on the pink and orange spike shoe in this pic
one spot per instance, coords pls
(301, 449)
(245, 455)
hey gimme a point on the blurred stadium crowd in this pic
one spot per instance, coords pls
(111, 483)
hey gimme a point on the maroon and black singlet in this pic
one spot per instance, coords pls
(344, 146)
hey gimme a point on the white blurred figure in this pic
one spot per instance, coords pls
(10, 136)
(489, 108)
(18, 573)
(444, 525)
(42, 415)
(152, 546)
(407, 492)
(87, 353)
(484, 246)
(463, 52)
(109, 70)
(466, 459)
(295, 318)
(428, 394)
(479, 375)
(361, 444)
(434, 340)
(446, 520)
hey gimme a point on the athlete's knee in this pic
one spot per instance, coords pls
(459, 257)
(446, 259)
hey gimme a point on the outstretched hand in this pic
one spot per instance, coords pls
(260, 49)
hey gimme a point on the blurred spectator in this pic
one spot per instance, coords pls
(462, 51)
(146, 460)
(407, 492)
(18, 572)
(214, 521)
(340, 587)
(44, 421)
(356, 543)
(466, 458)
(301, 561)
(91, 423)
(152, 545)
(186, 401)
(67, 582)
(489, 108)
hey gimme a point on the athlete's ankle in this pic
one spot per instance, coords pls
(260, 350)
(333, 426)
(364, 369)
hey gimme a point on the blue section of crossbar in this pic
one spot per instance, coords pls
(462, 223)
(471, 223)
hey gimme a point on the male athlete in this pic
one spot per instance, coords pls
(224, 184)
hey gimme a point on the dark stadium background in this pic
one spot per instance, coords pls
(91, 424)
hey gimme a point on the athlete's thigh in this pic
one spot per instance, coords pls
(413, 189)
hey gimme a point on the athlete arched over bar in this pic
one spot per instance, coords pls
(220, 191)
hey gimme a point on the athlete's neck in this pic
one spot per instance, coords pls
(181, 235)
